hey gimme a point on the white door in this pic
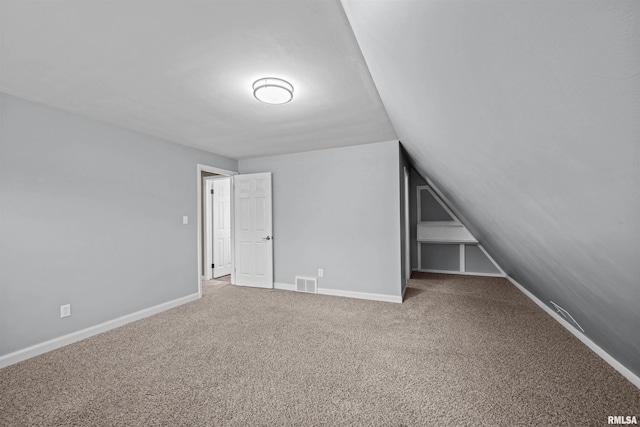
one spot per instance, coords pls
(221, 227)
(253, 240)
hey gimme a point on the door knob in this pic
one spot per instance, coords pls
(266, 238)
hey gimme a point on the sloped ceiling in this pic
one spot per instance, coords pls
(526, 115)
(183, 70)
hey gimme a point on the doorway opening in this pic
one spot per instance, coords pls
(249, 238)
(217, 227)
(206, 176)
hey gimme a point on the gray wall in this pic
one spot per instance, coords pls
(525, 115)
(440, 256)
(337, 209)
(477, 262)
(90, 215)
(430, 209)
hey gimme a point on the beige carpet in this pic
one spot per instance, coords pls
(218, 283)
(460, 351)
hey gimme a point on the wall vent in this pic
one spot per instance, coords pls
(567, 316)
(307, 284)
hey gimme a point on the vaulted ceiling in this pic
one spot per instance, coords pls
(183, 70)
(526, 115)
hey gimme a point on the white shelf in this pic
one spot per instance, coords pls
(444, 232)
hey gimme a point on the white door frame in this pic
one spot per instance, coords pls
(211, 169)
(407, 228)
(208, 231)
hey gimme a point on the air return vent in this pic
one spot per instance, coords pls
(307, 284)
(567, 316)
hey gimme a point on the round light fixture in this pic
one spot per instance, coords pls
(271, 90)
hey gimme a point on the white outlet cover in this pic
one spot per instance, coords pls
(65, 310)
(320, 272)
(185, 219)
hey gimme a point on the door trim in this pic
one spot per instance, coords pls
(407, 228)
(212, 169)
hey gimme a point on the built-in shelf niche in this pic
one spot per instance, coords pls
(444, 244)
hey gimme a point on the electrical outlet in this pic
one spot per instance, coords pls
(65, 310)
(320, 272)
(185, 219)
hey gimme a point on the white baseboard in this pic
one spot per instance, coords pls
(284, 286)
(463, 273)
(52, 344)
(361, 295)
(625, 372)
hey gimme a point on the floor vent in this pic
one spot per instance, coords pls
(567, 316)
(307, 284)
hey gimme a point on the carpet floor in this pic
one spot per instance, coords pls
(460, 351)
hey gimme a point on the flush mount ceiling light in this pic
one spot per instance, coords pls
(271, 90)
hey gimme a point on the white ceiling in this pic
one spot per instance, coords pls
(183, 70)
